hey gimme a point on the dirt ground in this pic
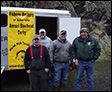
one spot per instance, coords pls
(18, 81)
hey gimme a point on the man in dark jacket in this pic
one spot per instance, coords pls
(37, 76)
(85, 50)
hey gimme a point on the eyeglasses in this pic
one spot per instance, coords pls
(63, 34)
(36, 39)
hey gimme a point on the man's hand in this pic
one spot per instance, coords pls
(28, 71)
(76, 62)
(46, 69)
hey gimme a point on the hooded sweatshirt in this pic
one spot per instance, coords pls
(60, 52)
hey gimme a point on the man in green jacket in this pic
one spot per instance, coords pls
(85, 50)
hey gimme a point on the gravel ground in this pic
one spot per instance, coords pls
(18, 81)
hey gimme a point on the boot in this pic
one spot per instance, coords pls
(62, 87)
(55, 88)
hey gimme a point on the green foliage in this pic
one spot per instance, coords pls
(109, 13)
(104, 56)
(64, 4)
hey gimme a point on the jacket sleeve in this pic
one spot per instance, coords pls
(97, 50)
(27, 59)
(73, 50)
(51, 51)
(47, 58)
(70, 53)
(50, 44)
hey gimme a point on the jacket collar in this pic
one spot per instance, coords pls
(60, 40)
(88, 39)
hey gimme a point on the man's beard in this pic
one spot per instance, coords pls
(42, 37)
(36, 44)
(84, 36)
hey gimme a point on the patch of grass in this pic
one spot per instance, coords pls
(102, 69)
(72, 75)
(104, 57)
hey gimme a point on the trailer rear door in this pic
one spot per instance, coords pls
(72, 26)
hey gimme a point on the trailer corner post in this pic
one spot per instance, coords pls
(2, 69)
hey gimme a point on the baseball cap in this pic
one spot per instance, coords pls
(36, 37)
(42, 30)
(63, 32)
(84, 29)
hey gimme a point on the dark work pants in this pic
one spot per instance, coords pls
(38, 77)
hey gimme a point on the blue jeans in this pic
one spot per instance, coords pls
(61, 73)
(89, 67)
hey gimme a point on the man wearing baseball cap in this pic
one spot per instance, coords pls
(60, 57)
(46, 41)
(85, 51)
(37, 75)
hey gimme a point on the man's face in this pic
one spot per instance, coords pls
(84, 34)
(42, 35)
(36, 42)
(63, 36)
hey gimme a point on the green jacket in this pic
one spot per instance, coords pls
(85, 51)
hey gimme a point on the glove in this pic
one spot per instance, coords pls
(71, 66)
(74, 64)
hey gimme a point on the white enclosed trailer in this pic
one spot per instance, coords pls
(51, 20)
